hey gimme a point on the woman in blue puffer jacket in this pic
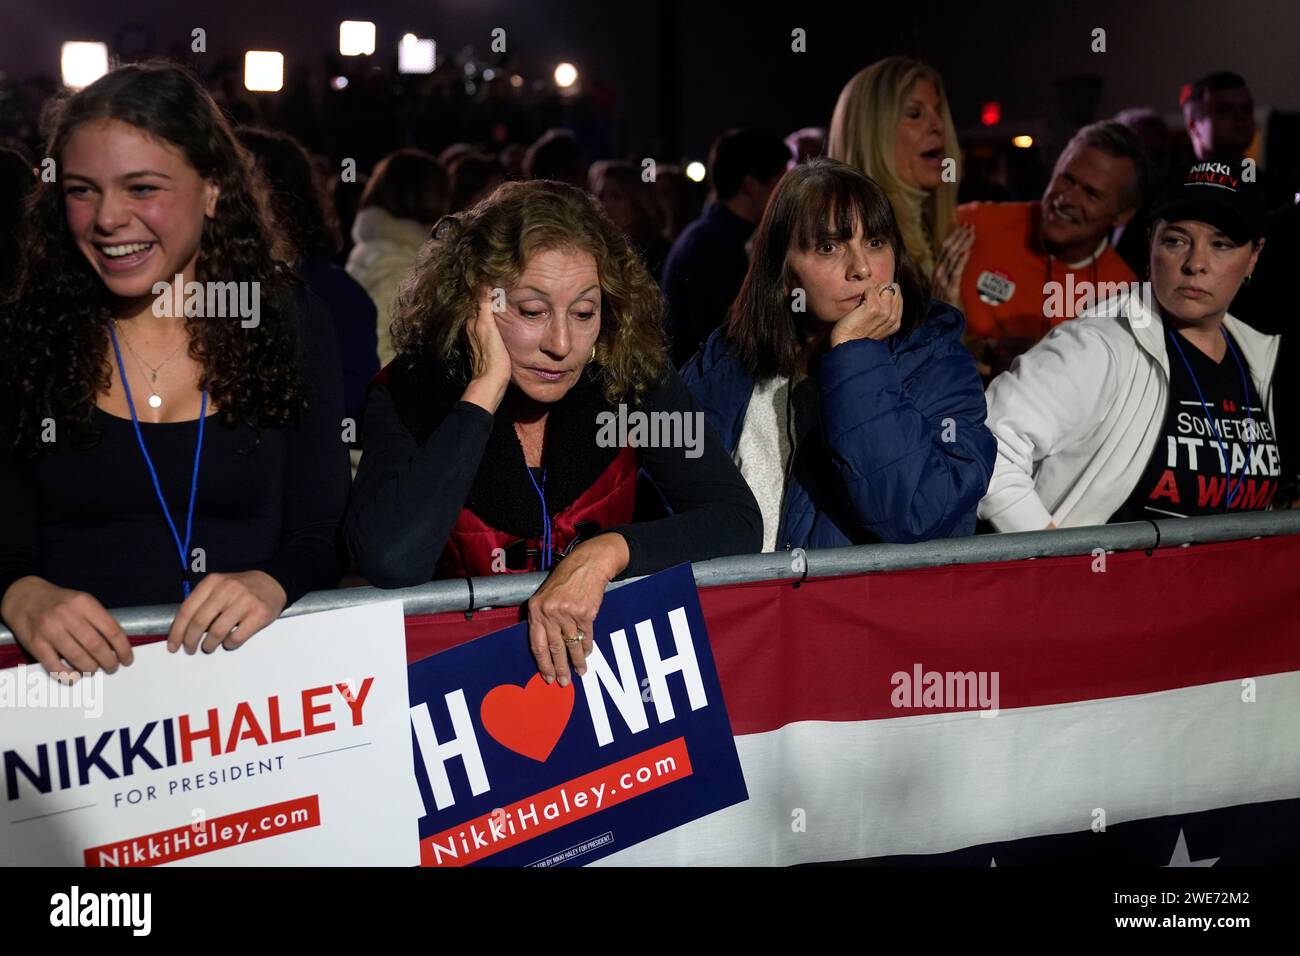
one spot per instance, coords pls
(882, 436)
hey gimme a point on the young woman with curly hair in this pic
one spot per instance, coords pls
(151, 459)
(527, 322)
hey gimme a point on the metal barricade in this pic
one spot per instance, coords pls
(513, 589)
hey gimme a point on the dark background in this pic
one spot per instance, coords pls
(682, 71)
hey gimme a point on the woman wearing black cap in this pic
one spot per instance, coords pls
(1158, 402)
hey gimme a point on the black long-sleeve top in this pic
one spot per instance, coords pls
(269, 500)
(410, 489)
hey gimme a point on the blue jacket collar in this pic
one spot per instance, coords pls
(727, 384)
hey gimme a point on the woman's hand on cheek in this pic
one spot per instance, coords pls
(878, 317)
(488, 356)
(566, 605)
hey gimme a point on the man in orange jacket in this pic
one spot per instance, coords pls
(1033, 265)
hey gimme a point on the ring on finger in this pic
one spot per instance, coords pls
(576, 639)
(890, 288)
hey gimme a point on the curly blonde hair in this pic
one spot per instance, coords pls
(488, 246)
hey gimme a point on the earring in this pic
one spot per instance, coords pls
(593, 354)
(1246, 281)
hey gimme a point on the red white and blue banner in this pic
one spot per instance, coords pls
(1147, 713)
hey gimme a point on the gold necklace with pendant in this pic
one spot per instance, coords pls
(155, 400)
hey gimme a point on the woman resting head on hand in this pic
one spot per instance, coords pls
(527, 325)
(840, 387)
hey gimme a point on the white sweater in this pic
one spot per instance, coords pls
(1077, 417)
(763, 450)
(385, 250)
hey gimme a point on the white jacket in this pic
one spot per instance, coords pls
(1077, 417)
(385, 250)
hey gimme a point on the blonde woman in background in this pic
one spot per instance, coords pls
(892, 122)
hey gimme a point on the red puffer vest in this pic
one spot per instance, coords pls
(476, 549)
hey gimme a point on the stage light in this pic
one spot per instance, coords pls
(1024, 142)
(339, 82)
(566, 74)
(991, 113)
(83, 63)
(356, 38)
(415, 55)
(263, 71)
(695, 172)
(516, 81)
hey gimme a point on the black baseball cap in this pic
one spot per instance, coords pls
(1217, 193)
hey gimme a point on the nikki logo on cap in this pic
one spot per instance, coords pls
(1217, 193)
(1213, 174)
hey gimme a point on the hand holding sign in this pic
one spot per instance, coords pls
(222, 604)
(566, 604)
(57, 625)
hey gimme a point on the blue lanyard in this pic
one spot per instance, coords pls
(546, 517)
(1214, 427)
(181, 548)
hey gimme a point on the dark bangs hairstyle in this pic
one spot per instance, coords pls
(818, 200)
(55, 321)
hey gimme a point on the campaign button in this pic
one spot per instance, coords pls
(995, 287)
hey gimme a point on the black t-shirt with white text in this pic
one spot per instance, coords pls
(1191, 465)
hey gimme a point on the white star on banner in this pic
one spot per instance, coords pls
(1180, 857)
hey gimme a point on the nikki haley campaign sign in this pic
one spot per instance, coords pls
(513, 771)
(233, 758)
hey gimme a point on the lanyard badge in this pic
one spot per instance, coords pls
(182, 547)
(1232, 494)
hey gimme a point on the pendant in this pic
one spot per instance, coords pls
(155, 401)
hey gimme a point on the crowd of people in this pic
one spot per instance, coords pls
(435, 338)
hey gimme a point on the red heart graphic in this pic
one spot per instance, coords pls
(528, 720)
